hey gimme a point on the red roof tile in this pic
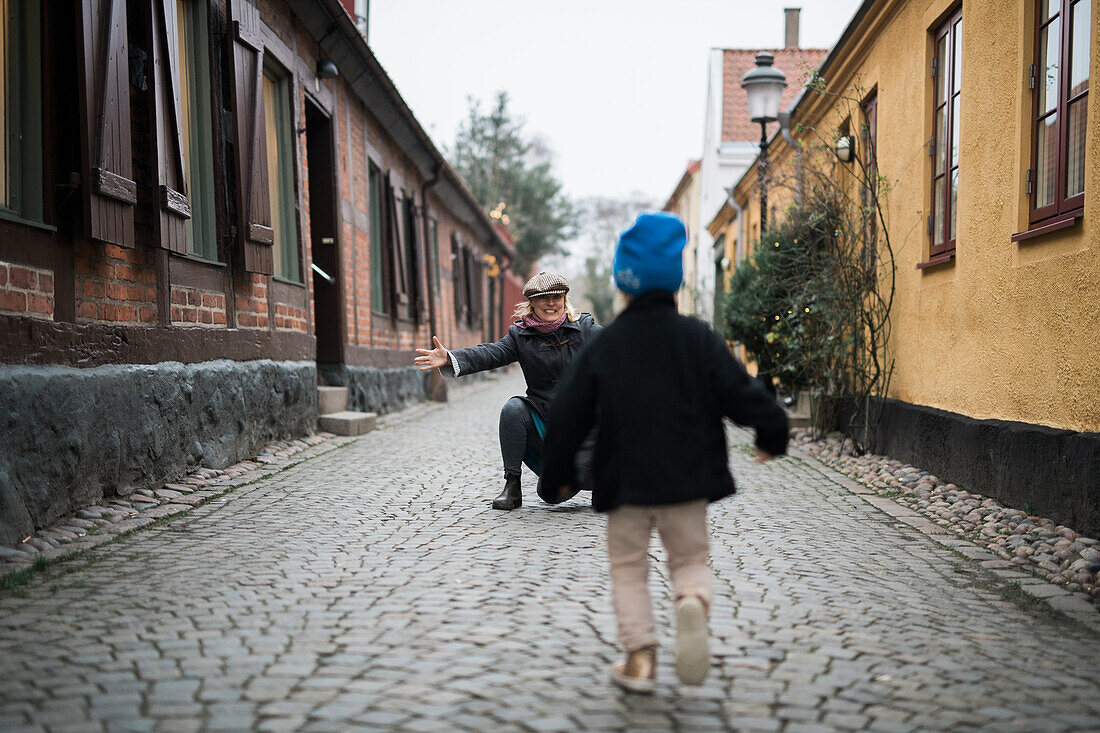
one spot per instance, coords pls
(796, 63)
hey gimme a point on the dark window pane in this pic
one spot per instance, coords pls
(1075, 147)
(1047, 9)
(377, 294)
(1046, 160)
(937, 212)
(941, 140)
(956, 58)
(1048, 67)
(955, 131)
(954, 202)
(1080, 19)
(941, 70)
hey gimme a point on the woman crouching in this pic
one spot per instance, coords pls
(545, 337)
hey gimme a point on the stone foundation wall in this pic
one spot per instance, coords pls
(68, 437)
(371, 389)
(1044, 471)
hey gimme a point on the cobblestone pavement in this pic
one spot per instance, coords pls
(373, 588)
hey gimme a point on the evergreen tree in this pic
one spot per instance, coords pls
(501, 164)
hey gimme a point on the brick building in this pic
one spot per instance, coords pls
(206, 208)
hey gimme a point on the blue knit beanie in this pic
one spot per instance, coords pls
(649, 255)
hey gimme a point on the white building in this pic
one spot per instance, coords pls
(731, 140)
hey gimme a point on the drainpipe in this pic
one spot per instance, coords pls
(437, 386)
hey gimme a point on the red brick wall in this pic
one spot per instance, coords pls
(26, 291)
(252, 302)
(114, 284)
(194, 307)
(289, 318)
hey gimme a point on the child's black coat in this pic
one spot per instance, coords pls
(658, 384)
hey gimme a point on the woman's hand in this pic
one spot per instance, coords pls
(432, 359)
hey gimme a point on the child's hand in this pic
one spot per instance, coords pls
(762, 456)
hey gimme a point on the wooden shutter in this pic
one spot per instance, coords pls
(471, 291)
(478, 287)
(106, 157)
(254, 230)
(456, 275)
(396, 244)
(417, 291)
(172, 205)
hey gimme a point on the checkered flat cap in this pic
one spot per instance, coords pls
(545, 283)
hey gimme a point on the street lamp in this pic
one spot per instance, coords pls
(763, 85)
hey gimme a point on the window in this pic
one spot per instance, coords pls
(379, 302)
(947, 76)
(20, 110)
(280, 173)
(1060, 84)
(195, 127)
(458, 278)
(433, 242)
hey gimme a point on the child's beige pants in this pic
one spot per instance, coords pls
(683, 531)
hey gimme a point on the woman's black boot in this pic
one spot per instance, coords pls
(512, 496)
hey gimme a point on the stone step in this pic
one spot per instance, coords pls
(799, 421)
(331, 399)
(800, 415)
(348, 423)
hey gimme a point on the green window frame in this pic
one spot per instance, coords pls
(21, 110)
(378, 301)
(280, 172)
(196, 128)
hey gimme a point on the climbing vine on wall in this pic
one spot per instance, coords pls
(812, 303)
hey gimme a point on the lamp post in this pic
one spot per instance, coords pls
(763, 86)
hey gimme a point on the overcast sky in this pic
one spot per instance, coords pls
(616, 87)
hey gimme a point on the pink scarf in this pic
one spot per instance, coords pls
(533, 321)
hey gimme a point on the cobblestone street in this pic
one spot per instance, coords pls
(372, 588)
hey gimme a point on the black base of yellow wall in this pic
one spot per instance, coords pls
(1047, 472)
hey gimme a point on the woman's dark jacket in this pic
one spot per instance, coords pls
(543, 357)
(659, 384)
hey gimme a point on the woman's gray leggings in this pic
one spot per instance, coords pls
(520, 442)
(519, 439)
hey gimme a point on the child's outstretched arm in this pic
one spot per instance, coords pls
(747, 403)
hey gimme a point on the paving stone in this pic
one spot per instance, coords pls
(372, 588)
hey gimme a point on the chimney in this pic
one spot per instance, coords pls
(790, 27)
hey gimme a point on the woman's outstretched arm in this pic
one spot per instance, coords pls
(468, 360)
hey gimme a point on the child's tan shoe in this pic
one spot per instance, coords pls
(692, 647)
(638, 673)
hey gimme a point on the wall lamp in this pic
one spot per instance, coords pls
(845, 148)
(326, 69)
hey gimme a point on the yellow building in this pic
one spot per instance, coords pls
(982, 128)
(684, 202)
